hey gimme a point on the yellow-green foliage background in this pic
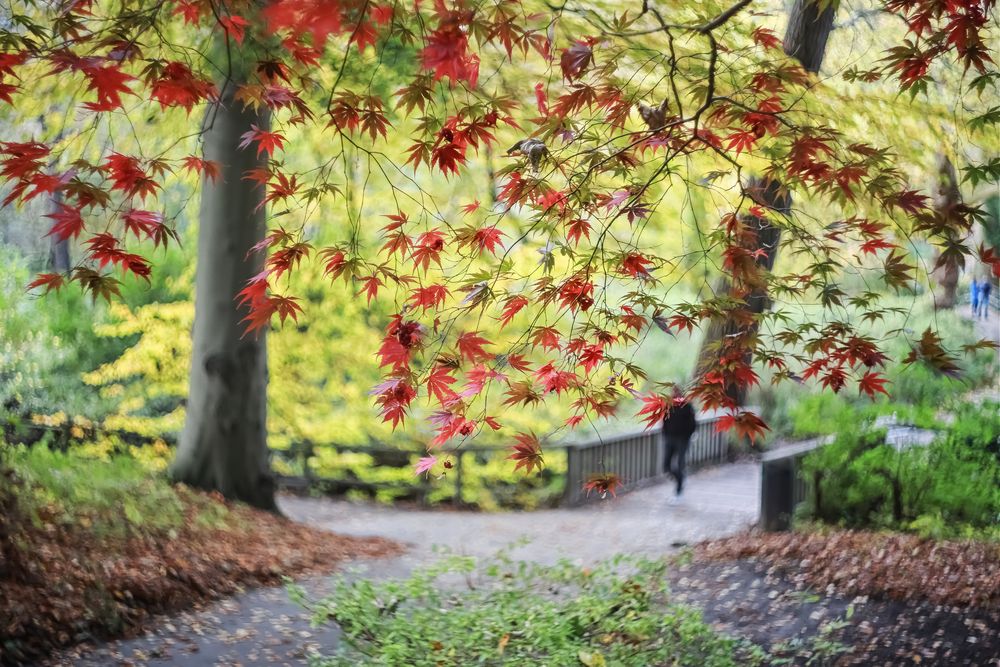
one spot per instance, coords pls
(126, 364)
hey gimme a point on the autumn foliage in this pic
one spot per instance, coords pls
(611, 107)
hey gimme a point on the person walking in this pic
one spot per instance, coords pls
(974, 296)
(985, 287)
(678, 426)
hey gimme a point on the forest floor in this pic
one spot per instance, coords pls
(835, 598)
(76, 579)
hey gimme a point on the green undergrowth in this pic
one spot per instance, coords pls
(949, 488)
(504, 612)
(115, 497)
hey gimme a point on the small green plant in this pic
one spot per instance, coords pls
(503, 612)
(820, 650)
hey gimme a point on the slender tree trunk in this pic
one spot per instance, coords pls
(59, 255)
(948, 197)
(806, 37)
(58, 248)
(223, 446)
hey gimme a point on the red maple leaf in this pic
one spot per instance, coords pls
(394, 396)
(470, 346)
(488, 239)
(604, 484)
(576, 229)
(69, 222)
(446, 52)
(142, 223)
(766, 38)
(872, 383)
(432, 296)
(745, 423)
(655, 408)
(210, 168)
(267, 142)
(50, 281)
(527, 453)
(547, 338)
(576, 58)
(741, 140)
(235, 27)
(590, 356)
(177, 85)
(109, 84)
(428, 248)
(512, 307)
(634, 264)
(371, 285)
(438, 381)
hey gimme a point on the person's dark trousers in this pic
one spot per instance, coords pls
(675, 461)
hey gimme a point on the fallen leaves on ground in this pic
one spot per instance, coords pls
(78, 585)
(891, 566)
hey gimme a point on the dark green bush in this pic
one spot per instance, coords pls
(949, 487)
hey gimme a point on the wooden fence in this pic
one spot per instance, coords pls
(638, 457)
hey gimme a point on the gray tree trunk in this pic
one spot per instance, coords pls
(948, 197)
(223, 446)
(806, 37)
(58, 248)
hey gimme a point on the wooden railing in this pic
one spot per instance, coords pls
(638, 457)
(783, 486)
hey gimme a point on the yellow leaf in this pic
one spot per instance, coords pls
(591, 659)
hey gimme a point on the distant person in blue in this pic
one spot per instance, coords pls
(985, 287)
(974, 296)
(678, 427)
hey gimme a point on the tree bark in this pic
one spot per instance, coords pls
(223, 446)
(808, 32)
(58, 248)
(806, 37)
(948, 197)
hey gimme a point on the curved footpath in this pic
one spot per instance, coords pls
(262, 627)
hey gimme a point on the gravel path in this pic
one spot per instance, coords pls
(262, 627)
(717, 501)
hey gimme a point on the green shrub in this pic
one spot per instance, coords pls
(950, 487)
(518, 613)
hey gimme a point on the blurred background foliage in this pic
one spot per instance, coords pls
(65, 360)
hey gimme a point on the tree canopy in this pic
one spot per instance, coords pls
(531, 170)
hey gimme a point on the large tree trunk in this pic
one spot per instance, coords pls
(805, 40)
(223, 446)
(948, 197)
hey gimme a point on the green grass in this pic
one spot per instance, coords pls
(116, 497)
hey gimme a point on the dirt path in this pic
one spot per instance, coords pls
(261, 627)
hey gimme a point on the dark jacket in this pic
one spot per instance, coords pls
(680, 422)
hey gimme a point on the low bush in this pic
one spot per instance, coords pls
(519, 613)
(950, 487)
